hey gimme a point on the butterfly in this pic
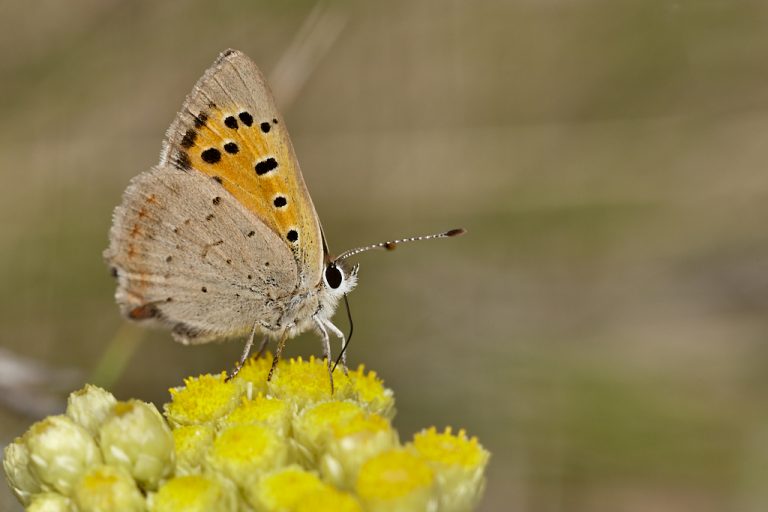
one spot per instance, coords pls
(221, 240)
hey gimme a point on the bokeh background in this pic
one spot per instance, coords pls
(602, 327)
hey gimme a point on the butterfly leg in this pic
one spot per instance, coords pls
(276, 358)
(246, 351)
(262, 347)
(326, 347)
(337, 332)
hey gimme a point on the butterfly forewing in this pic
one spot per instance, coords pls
(230, 130)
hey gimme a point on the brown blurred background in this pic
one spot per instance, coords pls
(602, 327)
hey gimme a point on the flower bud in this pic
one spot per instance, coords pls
(89, 407)
(16, 465)
(50, 502)
(60, 451)
(137, 438)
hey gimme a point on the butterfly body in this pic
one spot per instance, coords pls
(221, 238)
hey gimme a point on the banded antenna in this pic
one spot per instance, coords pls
(392, 244)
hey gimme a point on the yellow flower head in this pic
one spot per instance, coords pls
(271, 412)
(108, 488)
(369, 391)
(360, 425)
(295, 489)
(327, 499)
(243, 453)
(314, 424)
(283, 489)
(447, 449)
(195, 493)
(202, 399)
(396, 480)
(191, 443)
(252, 377)
(351, 443)
(459, 464)
(303, 383)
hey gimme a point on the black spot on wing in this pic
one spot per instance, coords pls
(246, 118)
(265, 127)
(292, 235)
(230, 122)
(265, 166)
(280, 201)
(211, 155)
(231, 148)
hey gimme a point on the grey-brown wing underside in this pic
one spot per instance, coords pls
(187, 255)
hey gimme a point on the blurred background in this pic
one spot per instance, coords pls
(602, 327)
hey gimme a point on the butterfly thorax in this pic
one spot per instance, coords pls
(316, 304)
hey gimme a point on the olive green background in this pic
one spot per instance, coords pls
(602, 326)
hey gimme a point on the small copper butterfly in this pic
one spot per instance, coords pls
(221, 239)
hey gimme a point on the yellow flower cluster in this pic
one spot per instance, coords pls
(244, 444)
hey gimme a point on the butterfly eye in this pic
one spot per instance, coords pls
(333, 276)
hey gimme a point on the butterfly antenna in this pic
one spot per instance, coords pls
(392, 244)
(351, 330)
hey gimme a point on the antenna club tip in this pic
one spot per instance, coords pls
(455, 232)
(390, 246)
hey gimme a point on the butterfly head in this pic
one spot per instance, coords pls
(339, 278)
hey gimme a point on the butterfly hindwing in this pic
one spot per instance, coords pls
(230, 130)
(187, 255)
